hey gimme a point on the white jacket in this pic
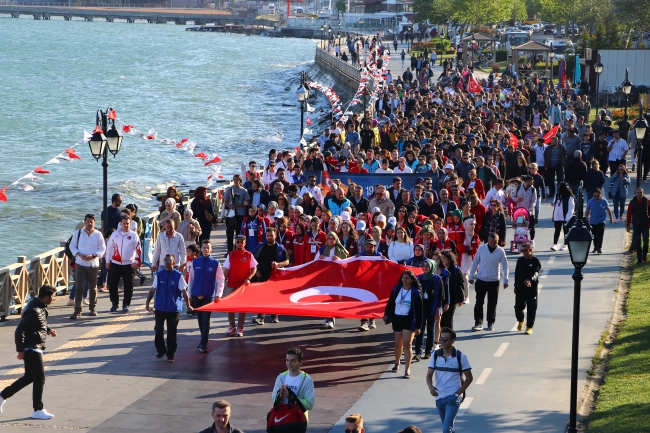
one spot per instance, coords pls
(558, 210)
(174, 245)
(399, 251)
(123, 248)
(490, 265)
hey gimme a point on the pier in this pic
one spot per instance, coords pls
(129, 15)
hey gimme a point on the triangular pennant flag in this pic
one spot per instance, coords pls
(87, 136)
(112, 114)
(201, 155)
(550, 134)
(151, 135)
(214, 160)
(32, 177)
(3, 196)
(127, 128)
(182, 142)
(308, 121)
(54, 160)
(26, 187)
(40, 170)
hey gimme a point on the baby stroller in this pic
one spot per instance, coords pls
(520, 225)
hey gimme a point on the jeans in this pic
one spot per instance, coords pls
(550, 179)
(172, 325)
(86, 277)
(537, 204)
(428, 323)
(491, 288)
(203, 317)
(619, 206)
(73, 290)
(598, 230)
(34, 373)
(448, 408)
(114, 274)
(637, 233)
(526, 298)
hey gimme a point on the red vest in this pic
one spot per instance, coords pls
(240, 268)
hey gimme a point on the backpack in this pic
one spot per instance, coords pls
(458, 354)
(68, 251)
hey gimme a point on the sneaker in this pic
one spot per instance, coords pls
(325, 323)
(203, 349)
(275, 318)
(466, 301)
(160, 355)
(477, 327)
(490, 327)
(520, 326)
(240, 332)
(76, 315)
(142, 280)
(86, 301)
(427, 355)
(417, 358)
(563, 248)
(42, 414)
(103, 289)
(329, 324)
(529, 331)
(231, 331)
(258, 320)
(125, 309)
(93, 313)
(600, 251)
(364, 326)
(633, 167)
(554, 248)
(170, 359)
(114, 307)
(70, 303)
(372, 324)
(2, 403)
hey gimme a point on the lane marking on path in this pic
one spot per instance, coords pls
(464, 406)
(539, 288)
(544, 273)
(551, 260)
(501, 349)
(484, 375)
(71, 347)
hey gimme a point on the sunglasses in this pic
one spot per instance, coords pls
(347, 430)
(445, 339)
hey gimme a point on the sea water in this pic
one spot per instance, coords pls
(233, 95)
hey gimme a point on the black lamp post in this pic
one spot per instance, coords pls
(551, 55)
(626, 86)
(598, 69)
(329, 33)
(578, 240)
(103, 141)
(409, 39)
(640, 128)
(303, 96)
(473, 42)
(322, 35)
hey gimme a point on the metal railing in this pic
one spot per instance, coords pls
(343, 67)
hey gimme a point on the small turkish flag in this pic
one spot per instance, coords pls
(308, 122)
(473, 86)
(127, 128)
(112, 114)
(550, 134)
(201, 155)
(41, 170)
(3, 196)
(514, 141)
(182, 142)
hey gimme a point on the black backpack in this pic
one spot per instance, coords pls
(437, 353)
(68, 251)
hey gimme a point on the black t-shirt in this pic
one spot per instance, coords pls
(367, 135)
(268, 255)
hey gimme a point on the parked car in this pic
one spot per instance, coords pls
(560, 32)
(528, 29)
(549, 29)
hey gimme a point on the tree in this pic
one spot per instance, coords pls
(533, 7)
(341, 6)
(519, 11)
(633, 14)
(553, 11)
(436, 11)
(479, 12)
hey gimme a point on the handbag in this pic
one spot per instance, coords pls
(287, 418)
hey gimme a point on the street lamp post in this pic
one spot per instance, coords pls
(598, 69)
(626, 86)
(579, 241)
(303, 96)
(473, 42)
(322, 35)
(640, 128)
(103, 141)
(551, 55)
(409, 39)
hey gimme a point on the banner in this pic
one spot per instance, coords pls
(355, 288)
(367, 180)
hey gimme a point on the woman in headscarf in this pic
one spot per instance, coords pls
(443, 242)
(471, 243)
(172, 193)
(170, 213)
(404, 310)
(418, 258)
(189, 228)
(298, 245)
(435, 301)
(202, 208)
(382, 248)
(455, 285)
(332, 250)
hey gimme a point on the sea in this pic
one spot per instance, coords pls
(234, 95)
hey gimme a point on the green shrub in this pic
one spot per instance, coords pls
(501, 55)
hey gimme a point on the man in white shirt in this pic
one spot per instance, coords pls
(402, 168)
(617, 149)
(88, 246)
(491, 262)
(313, 188)
(169, 242)
(384, 167)
(495, 193)
(123, 255)
(539, 149)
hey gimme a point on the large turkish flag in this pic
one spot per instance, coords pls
(357, 287)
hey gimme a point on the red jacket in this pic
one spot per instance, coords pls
(313, 244)
(478, 187)
(299, 248)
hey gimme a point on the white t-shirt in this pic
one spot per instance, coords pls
(292, 383)
(403, 302)
(447, 374)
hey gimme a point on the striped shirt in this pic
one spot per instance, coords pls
(618, 149)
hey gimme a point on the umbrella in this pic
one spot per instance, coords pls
(561, 78)
(578, 71)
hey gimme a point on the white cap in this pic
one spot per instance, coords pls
(298, 208)
(392, 220)
(345, 215)
(278, 214)
(361, 225)
(449, 165)
(381, 218)
(375, 209)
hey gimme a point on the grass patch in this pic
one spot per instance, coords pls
(624, 399)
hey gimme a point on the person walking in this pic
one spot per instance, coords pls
(594, 179)
(205, 283)
(638, 219)
(597, 211)
(170, 290)
(238, 269)
(617, 149)
(563, 208)
(123, 256)
(554, 157)
(492, 266)
(269, 255)
(29, 338)
(169, 242)
(618, 191)
(296, 380)
(235, 201)
(526, 279)
(454, 280)
(435, 302)
(526, 197)
(404, 311)
(449, 365)
(88, 247)
(221, 415)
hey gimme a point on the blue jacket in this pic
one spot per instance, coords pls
(434, 294)
(205, 276)
(168, 297)
(624, 181)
